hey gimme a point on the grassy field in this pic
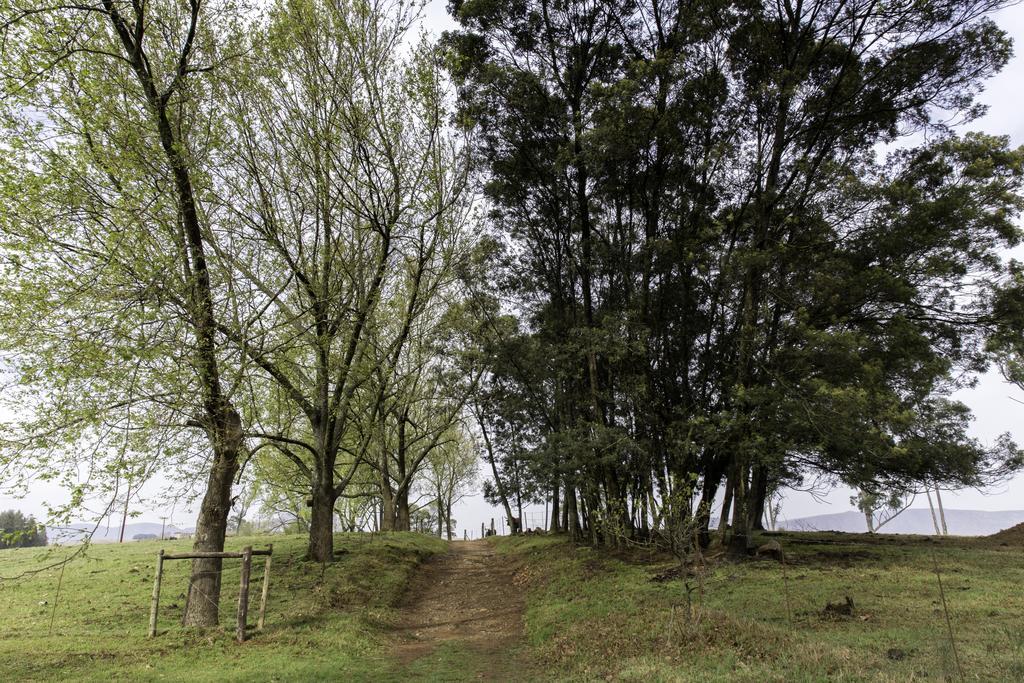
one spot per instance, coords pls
(590, 615)
(320, 626)
(594, 617)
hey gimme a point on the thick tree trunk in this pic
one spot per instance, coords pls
(220, 420)
(321, 525)
(739, 543)
(709, 489)
(387, 508)
(572, 520)
(202, 604)
(759, 493)
(402, 516)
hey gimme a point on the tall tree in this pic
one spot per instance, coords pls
(725, 275)
(349, 208)
(448, 476)
(107, 121)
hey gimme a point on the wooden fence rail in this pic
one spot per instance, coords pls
(194, 555)
(243, 587)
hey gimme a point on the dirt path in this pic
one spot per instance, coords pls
(464, 605)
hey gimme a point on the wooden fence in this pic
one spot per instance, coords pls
(243, 589)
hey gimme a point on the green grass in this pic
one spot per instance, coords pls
(322, 623)
(591, 614)
(592, 617)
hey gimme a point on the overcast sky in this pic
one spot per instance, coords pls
(992, 400)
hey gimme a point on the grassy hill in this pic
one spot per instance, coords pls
(629, 615)
(322, 622)
(625, 616)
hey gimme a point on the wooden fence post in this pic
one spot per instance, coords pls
(266, 589)
(155, 605)
(243, 593)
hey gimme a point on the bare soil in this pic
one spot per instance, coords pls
(466, 599)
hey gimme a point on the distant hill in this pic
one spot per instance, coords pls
(914, 521)
(110, 534)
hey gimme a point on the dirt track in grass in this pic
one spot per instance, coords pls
(465, 607)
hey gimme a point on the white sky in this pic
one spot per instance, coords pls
(991, 401)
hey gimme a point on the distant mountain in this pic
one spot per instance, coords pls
(914, 521)
(110, 534)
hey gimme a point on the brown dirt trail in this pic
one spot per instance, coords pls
(465, 601)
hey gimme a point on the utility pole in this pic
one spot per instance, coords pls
(124, 519)
(163, 525)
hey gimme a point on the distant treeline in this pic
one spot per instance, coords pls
(19, 531)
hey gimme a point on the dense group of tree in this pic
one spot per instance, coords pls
(745, 245)
(233, 244)
(718, 246)
(20, 531)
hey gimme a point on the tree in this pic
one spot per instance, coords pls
(879, 509)
(349, 208)
(1006, 337)
(106, 125)
(20, 531)
(449, 475)
(719, 272)
(422, 417)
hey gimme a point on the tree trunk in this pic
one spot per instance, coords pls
(517, 523)
(739, 543)
(935, 520)
(572, 520)
(759, 494)
(202, 604)
(942, 512)
(221, 422)
(402, 510)
(723, 517)
(642, 504)
(494, 470)
(124, 517)
(387, 508)
(555, 511)
(589, 512)
(321, 525)
(440, 517)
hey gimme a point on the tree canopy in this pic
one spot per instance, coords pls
(639, 256)
(745, 240)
